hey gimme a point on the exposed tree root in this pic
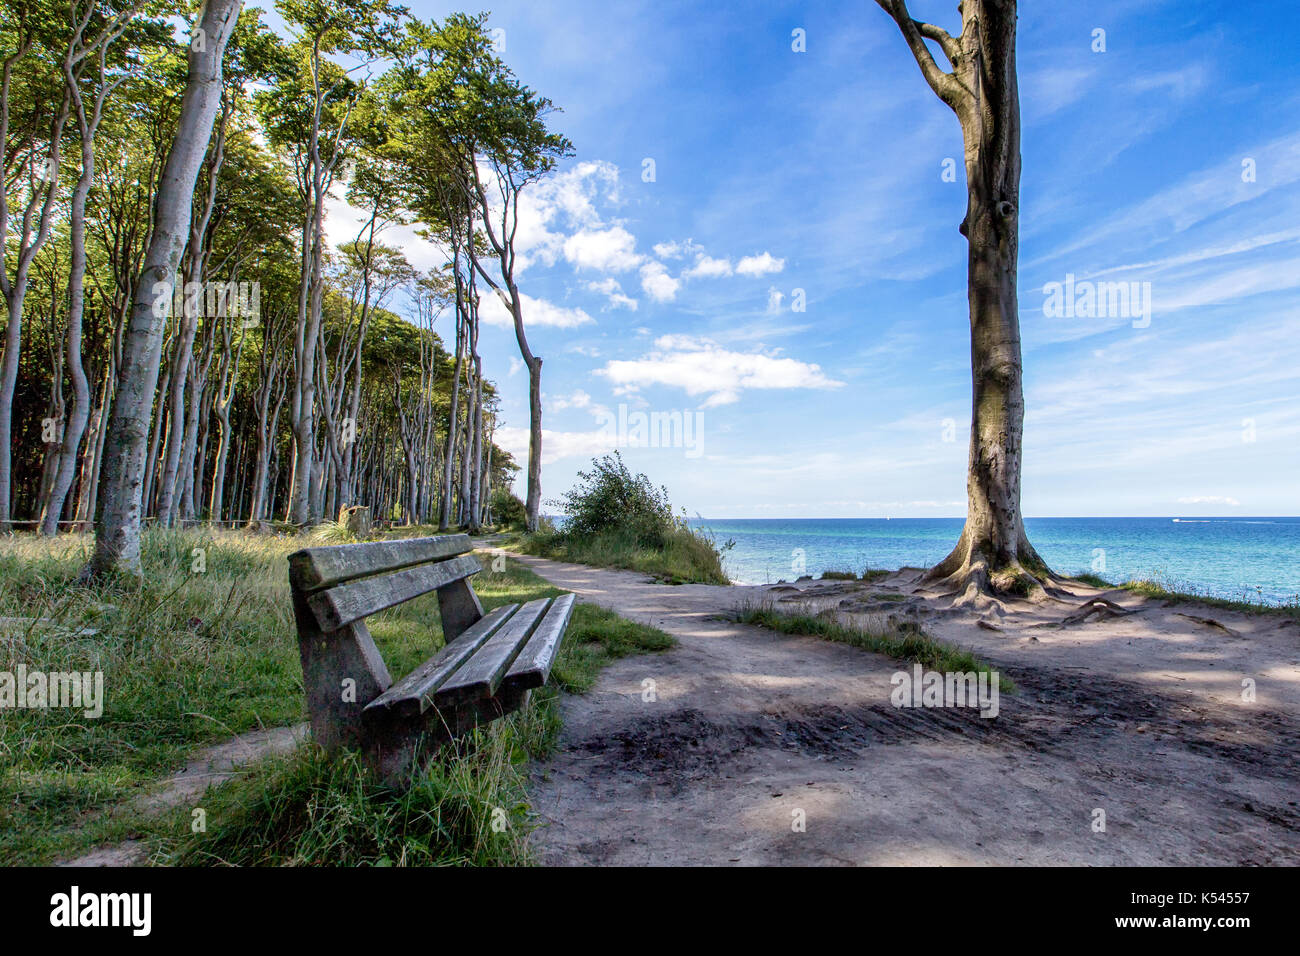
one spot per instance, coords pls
(1098, 609)
(978, 580)
(1211, 622)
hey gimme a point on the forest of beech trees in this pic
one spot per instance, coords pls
(260, 367)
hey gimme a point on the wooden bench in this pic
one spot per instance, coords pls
(485, 669)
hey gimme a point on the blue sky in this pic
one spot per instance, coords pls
(822, 171)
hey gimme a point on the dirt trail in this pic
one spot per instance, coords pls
(212, 765)
(1139, 715)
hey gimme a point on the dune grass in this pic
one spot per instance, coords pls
(868, 574)
(203, 648)
(1183, 594)
(1158, 590)
(686, 556)
(903, 643)
(1092, 580)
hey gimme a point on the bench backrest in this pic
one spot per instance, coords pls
(335, 588)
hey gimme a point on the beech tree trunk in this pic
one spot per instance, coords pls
(176, 402)
(75, 427)
(453, 412)
(993, 553)
(224, 398)
(117, 528)
(42, 193)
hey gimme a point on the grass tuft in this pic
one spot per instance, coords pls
(1092, 580)
(906, 643)
(466, 807)
(1184, 594)
(1158, 590)
(686, 556)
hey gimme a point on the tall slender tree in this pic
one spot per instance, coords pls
(464, 119)
(32, 153)
(993, 553)
(88, 44)
(117, 529)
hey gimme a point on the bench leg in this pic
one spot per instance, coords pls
(459, 607)
(342, 671)
(394, 744)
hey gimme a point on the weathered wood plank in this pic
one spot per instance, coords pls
(532, 666)
(459, 607)
(342, 671)
(412, 694)
(395, 744)
(337, 606)
(313, 568)
(480, 676)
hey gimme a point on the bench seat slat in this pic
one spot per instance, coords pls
(338, 606)
(413, 693)
(532, 666)
(313, 568)
(481, 675)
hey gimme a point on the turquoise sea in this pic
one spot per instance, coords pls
(1254, 558)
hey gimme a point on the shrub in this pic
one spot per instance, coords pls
(506, 510)
(620, 520)
(610, 498)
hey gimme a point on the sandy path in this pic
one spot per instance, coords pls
(748, 730)
(210, 766)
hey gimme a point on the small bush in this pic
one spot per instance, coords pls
(507, 511)
(611, 498)
(620, 520)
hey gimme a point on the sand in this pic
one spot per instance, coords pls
(761, 748)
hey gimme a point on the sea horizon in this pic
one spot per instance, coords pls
(1236, 557)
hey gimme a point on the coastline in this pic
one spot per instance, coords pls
(1238, 558)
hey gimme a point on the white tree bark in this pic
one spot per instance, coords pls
(117, 529)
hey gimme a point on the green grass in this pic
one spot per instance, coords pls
(905, 643)
(308, 810)
(1092, 580)
(868, 574)
(687, 557)
(1151, 588)
(194, 654)
(1155, 589)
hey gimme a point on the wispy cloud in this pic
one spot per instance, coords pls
(700, 367)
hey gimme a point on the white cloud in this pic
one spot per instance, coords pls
(706, 267)
(1047, 91)
(1179, 84)
(1209, 500)
(605, 250)
(759, 265)
(578, 399)
(657, 283)
(700, 367)
(536, 312)
(555, 445)
(611, 289)
(551, 210)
